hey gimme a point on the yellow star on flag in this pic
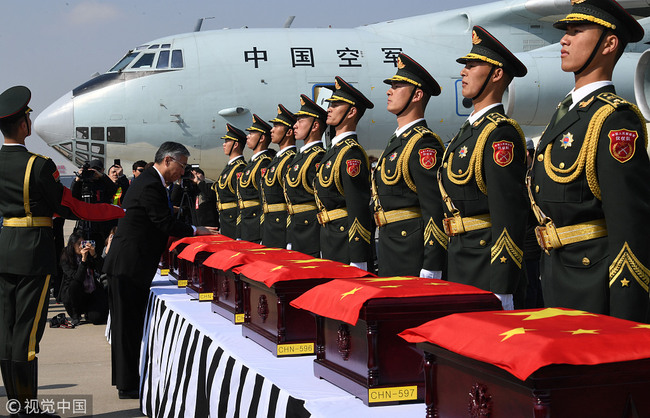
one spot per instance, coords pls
(277, 268)
(389, 279)
(351, 292)
(309, 267)
(642, 326)
(235, 255)
(437, 284)
(389, 287)
(583, 331)
(548, 313)
(313, 260)
(625, 282)
(513, 332)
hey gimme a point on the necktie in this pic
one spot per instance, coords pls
(463, 128)
(563, 108)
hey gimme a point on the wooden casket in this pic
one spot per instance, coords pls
(270, 286)
(228, 300)
(179, 270)
(539, 363)
(358, 347)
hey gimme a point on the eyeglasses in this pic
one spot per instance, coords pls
(139, 169)
(180, 163)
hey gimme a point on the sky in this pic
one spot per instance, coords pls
(52, 46)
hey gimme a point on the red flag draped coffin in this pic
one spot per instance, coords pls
(551, 362)
(270, 284)
(228, 289)
(358, 347)
(178, 269)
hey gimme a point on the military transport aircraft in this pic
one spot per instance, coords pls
(186, 87)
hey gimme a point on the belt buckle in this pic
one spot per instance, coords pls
(380, 218)
(323, 217)
(547, 237)
(448, 226)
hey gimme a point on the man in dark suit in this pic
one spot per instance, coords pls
(133, 258)
(27, 250)
(408, 207)
(226, 186)
(591, 174)
(484, 172)
(342, 186)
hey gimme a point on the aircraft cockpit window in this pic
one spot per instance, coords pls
(166, 46)
(124, 62)
(177, 58)
(163, 60)
(141, 47)
(154, 47)
(146, 60)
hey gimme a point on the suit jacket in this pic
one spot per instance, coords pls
(579, 178)
(343, 182)
(142, 234)
(484, 172)
(274, 225)
(406, 177)
(226, 190)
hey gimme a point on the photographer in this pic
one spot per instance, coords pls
(81, 291)
(116, 174)
(204, 209)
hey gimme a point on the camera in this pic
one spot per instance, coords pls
(85, 173)
(86, 242)
(187, 179)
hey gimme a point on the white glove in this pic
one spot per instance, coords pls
(362, 265)
(431, 274)
(506, 301)
(289, 246)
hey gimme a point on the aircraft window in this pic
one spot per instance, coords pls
(67, 146)
(82, 146)
(124, 62)
(82, 133)
(97, 148)
(177, 58)
(64, 150)
(97, 134)
(81, 159)
(146, 60)
(141, 47)
(163, 59)
(153, 47)
(116, 134)
(166, 45)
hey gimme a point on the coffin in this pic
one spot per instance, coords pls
(548, 363)
(269, 286)
(358, 347)
(179, 270)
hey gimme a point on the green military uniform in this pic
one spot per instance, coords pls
(343, 190)
(248, 189)
(303, 229)
(408, 208)
(226, 186)
(590, 178)
(274, 225)
(31, 194)
(483, 174)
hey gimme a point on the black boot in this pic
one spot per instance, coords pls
(8, 379)
(25, 376)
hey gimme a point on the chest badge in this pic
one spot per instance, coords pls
(296, 167)
(328, 165)
(463, 152)
(272, 169)
(567, 140)
(392, 156)
(248, 172)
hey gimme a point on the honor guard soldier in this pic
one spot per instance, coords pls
(226, 186)
(482, 179)
(31, 194)
(248, 190)
(274, 226)
(590, 175)
(303, 229)
(407, 204)
(342, 187)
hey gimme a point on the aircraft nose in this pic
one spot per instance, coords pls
(55, 124)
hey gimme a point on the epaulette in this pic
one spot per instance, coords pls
(423, 130)
(39, 155)
(612, 99)
(351, 142)
(497, 118)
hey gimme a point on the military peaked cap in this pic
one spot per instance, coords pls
(487, 48)
(309, 108)
(607, 13)
(284, 117)
(344, 92)
(234, 134)
(259, 125)
(409, 71)
(13, 103)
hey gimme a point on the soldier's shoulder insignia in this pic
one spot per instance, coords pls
(39, 155)
(423, 130)
(428, 158)
(351, 142)
(613, 99)
(586, 103)
(622, 144)
(497, 118)
(353, 167)
(503, 152)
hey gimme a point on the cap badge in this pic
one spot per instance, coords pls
(577, 1)
(337, 85)
(475, 39)
(279, 110)
(400, 64)
(302, 101)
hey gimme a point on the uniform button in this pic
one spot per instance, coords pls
(460, 171)
(277, 219)
(540, 157)
(445, 165)
(388, 171)
(561, 165)
(254, 214)
(403, 233)
(482, 243)
(586, 261)
(537, 189)
(306, 221)
(342, 228)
